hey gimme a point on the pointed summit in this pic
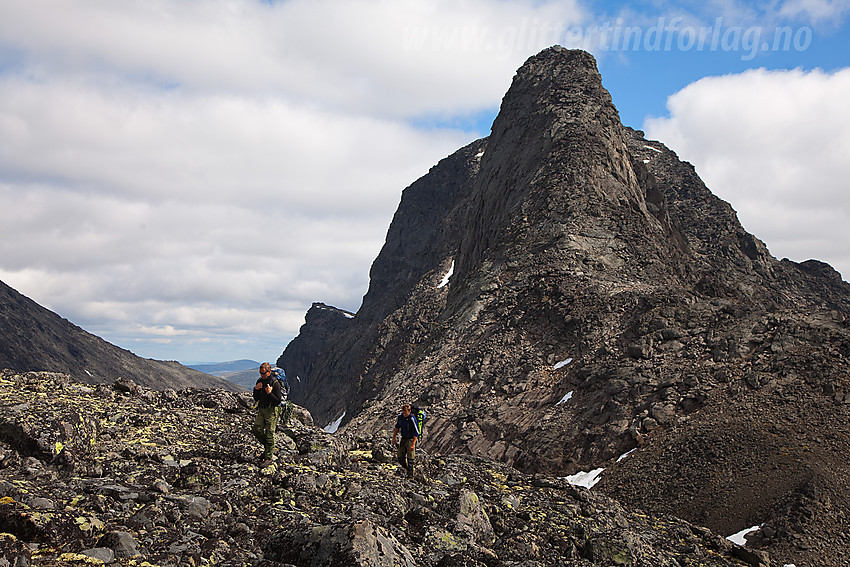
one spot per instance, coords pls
(557, 170)
(602, 301)
(555, 94)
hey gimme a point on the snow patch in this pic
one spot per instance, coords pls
(479, 154)
(347, 314)
(585, 479)
(654, 149)
(563, 363)
(332, 427)
(445, 281)
(740, 537)
(566, 398)
(626, 454)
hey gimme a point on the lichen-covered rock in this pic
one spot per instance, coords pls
(160, 484)
(56, 432)
(42, 526)
(473, 520)
(14, 552)
(350, 543)
(122, 544)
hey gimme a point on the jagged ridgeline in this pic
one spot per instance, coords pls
(601, 300)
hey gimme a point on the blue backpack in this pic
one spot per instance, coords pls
(280, 376)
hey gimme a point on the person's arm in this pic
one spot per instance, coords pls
(395, 436)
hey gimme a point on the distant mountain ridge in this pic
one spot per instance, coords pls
(33, 338)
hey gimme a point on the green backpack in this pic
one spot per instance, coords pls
(420, 414)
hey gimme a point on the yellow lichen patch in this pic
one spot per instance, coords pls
(79, 559)
(45, 551)
(88, 524)
(7, 500)
(444, 540)
(500, 478)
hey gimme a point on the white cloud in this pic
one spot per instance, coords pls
(201, 171)
(194, 170)
(400, 57)
(161, 146)
(775, 145)
(815, 11)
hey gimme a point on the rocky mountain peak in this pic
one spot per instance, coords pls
(557, 172)
(602, 303)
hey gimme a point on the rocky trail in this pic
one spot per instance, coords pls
(123, 475)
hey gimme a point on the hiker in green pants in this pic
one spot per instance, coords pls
(267, 393)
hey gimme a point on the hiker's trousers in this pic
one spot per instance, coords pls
(406, 454)
(265, 424)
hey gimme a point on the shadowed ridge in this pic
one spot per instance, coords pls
(35, 338)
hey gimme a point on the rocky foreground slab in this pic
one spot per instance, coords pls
(123, 475)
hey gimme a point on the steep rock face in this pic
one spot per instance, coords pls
(422, 238)
(35, 338)
(557, 176)
(322, 327)
(603, 301)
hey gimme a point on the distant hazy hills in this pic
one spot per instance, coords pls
(221, 368)
(241, 372)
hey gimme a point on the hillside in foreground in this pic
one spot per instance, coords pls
(132, 476)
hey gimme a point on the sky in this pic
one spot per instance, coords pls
(184, 178)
